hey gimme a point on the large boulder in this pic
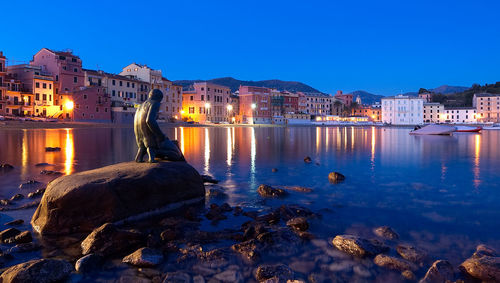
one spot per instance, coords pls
(39, 271)
(86, 200)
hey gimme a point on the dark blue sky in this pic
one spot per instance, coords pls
(380, 46)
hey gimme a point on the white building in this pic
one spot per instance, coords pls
(433, 112)
(460, 115)
(402, 110)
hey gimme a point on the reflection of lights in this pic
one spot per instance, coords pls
(477, 151)
(229, 147)
(229, 107)
(70, 152)
(25, 154)
(69, 105)
(253, 151)
(318, 137)
(254, 105)
(207, 151)
(352, 137)
(373, 147)
(182, 139)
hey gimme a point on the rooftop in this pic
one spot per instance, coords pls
(486, 94)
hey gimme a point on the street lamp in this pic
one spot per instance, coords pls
(229, 107)
(207, 105)
(254, 106)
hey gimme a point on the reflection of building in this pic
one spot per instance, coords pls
(487, 107)
(402, 110)
(433, 112)
(40, 84)
(207, 103)
(255, 105)
(459, 115)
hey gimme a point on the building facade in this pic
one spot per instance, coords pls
(402, 110)
(460, 115)
(207, 103)
(346, 99)
(255, 105)
(433, 112)
(373, 113)
(3, 88)
(318, 104)
(487, 107)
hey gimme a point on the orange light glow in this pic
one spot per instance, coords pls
(69, 105)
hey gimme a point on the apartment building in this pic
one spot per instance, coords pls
(487, 107)
(433, 112)
(402, 110)
(255, 105)
(318, 104)
(460, 115)
(3, 88)
(207, 102)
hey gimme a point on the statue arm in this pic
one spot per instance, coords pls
(151, 121)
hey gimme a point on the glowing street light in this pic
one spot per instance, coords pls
(207, 105)
(254, 105)
(229, 107)
(69, 105)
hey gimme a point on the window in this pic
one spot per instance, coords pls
(57, 78)
(50, 86)
(128, 84)
(75, 79)
(202, 89)
(75, 70)
(121, 83)
(84, 96)
(37, 85)
(202, 97)
(113, 82)
(97, 109)
(73, 59)
(106, 109)
(37, 96)
(133, 85)
(44, 97)
(191, 98)
(44, 85)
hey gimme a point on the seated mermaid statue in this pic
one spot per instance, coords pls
(150, 139)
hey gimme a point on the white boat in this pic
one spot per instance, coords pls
(492, 127)
(434, 130)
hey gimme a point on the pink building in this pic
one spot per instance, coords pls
(207, 103)
(255, 105)
(3, 89)
(71, 94)
(345, 98)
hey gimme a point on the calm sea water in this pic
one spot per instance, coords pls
(439, 193)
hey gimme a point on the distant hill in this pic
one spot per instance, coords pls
(366, 97)
(234, 84)
(464, 98)
(446, 89)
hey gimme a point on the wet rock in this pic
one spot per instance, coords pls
(88, 263)
(307, 159)
(409, 275)
(386, 232)
(268, 191)
(440, 271)
(21, 238)
(25, 248)
(318, 278)
(215, 213)
(248, 250)
(50, 172)
(216, 193)
(299, 189)
(168, 235)
(335, 177)
(209, 179)
(280, 271)
(52, 149)
(274, 170)
(4, 202)
(15, 222)
(144, 257)
(483, 265)
(86, 200)
(42, 164)
(107, 240)
(358, 246)
(29, 205)
(288, 212)
(39, 271)
(393, 263)
(177, 277)
(229, 276)
(302, 266)
(31, 185)
(198, 279)
(17, 197)
(5, 167)
(298, 223)
(8, 233)
(411, 253)
(237, 211)
(36, 193)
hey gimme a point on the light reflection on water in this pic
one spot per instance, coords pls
(446, 187)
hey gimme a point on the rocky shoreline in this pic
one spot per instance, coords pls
(217, 242)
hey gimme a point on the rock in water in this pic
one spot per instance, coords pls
(386, 232)
(108, 239)
(88, 263)
(144, 257)
(440, 271)
(39, 271)
(268, 191)
(335, 177)
(86, 200)
(357, 246)
(483, 265)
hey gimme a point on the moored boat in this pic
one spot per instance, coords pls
(434, 130)
(468, 129)
(492, 127)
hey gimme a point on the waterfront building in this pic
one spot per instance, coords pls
(207, 102)
(302, 102)
(372, 113)
(18, 102)
(402, 110)
(487, 107)
(318, 104)
(345, 98)
(145, 74)
(284, 102)
(172, 95)
(460, 115)
(3, 88)
(255, 105)
(41, 85)
(234, 110)
(433, 112)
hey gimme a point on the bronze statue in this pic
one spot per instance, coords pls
(150, 139)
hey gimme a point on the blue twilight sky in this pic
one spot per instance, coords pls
(379, 46)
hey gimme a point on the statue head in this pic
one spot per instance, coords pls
(156, 95)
